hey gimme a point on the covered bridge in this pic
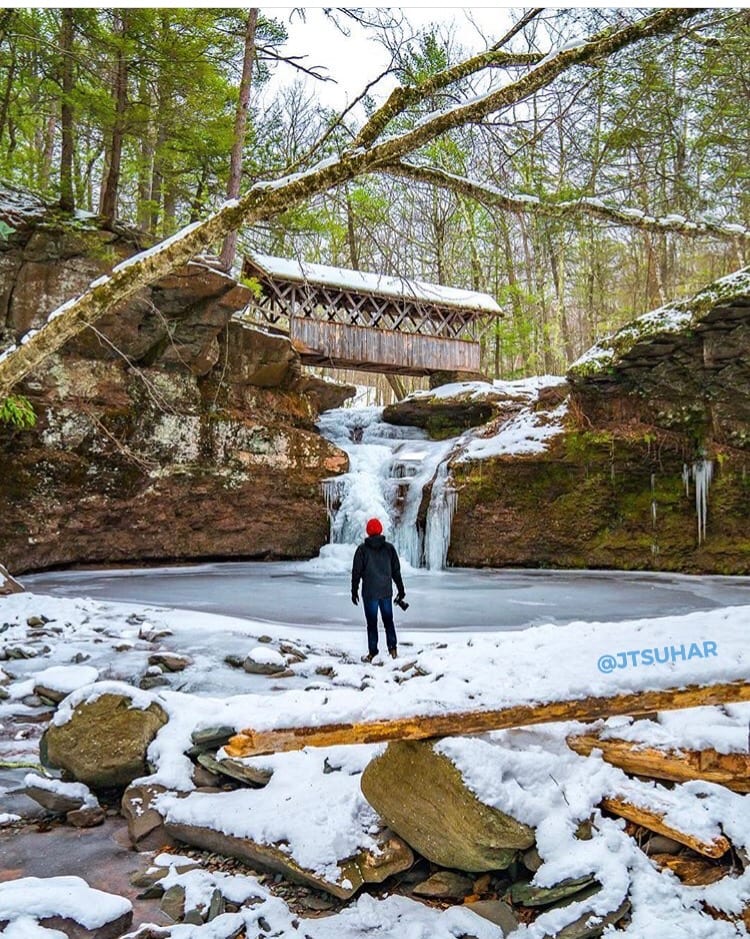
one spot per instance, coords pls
(373, 322)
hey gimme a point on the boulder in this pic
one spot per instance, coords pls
(88, 816)
(210, 738)
(526, 894)
(8, 584)
(57, 796)
(170, 661)
(241, 770)
(497, 912)
(421, 795)
(366, 867)
(264, 661)
(445, 885)
(145, 823)
(104, 742)
(590, 925)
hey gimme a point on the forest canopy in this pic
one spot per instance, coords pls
(542, 198)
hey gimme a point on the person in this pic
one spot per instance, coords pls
(376, 564)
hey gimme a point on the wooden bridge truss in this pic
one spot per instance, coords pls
(350, 319)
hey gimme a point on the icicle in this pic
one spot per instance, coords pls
(443, 503)
(703, 471)
(686, 478)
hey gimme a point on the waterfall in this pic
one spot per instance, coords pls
(702, 472)
(390, 470)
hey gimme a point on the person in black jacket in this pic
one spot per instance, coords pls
(376, 564)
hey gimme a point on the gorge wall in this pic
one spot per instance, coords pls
(663, 401)
(170, 431)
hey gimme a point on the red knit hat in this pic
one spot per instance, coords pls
(374, 527)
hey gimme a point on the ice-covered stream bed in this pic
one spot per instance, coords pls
(316, 593)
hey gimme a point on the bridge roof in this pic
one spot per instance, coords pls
(384, 285)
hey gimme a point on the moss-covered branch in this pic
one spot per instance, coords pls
(618, 215)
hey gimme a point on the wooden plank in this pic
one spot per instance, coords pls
(250, 742)
(654, 821)
(729, 769)
(344, 346)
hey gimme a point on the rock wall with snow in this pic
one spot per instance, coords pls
(169, 431)
(643, 466)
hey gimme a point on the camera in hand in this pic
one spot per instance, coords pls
(402, 603)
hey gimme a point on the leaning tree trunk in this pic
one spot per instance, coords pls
(229, 249)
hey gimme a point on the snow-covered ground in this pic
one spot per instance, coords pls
(529, 773)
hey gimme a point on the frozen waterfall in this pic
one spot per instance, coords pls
(393, 472)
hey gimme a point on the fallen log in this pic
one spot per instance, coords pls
(654, 821)
(251, 742)
(693, 872)
(729, 769)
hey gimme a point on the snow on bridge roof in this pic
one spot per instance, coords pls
(368, 282)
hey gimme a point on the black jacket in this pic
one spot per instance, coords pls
(376, 564)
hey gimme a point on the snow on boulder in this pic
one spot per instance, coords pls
(263, 660)
(101, 734)
(422, 796)
(310, 822)
(59, 681)
(58, 796)
(67, 904)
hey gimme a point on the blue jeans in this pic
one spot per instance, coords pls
(385, 605)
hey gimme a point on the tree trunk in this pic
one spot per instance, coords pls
(145, 161)
(49, 151)
(157, 176)
(6, 97)
(229, 249)
(351, 234)
(197, 204)
(110, 189)
(67, 24)
(250, 742)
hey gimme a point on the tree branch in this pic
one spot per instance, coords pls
(265, 200)
(405, 96)
(496, 198)
(295, 62)
(514, 30)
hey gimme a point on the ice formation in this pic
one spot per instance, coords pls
(389, 468)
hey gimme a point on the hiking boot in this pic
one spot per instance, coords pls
(368, 658)
(393, 653)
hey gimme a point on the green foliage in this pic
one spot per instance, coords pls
(252, 284)
(17, 411)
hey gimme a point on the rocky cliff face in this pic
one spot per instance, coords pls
(654, 413)
(170, 431)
